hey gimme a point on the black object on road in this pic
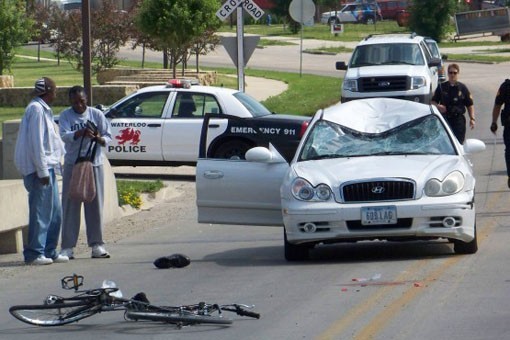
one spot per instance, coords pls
(172, 261)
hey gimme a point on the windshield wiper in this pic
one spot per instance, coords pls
(323, 157)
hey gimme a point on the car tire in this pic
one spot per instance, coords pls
(295, 252)
(333, 21)
(460, 247)
(232, 149)
(369, 21)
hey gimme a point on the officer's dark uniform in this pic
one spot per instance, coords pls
(503, 98)
(456, 98)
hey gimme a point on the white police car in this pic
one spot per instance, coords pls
(161, 125)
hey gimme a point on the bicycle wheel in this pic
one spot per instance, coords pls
(55, 314)
(182, 318)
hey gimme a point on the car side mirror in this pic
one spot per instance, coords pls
(444, 57)
(341, 65)
(262, 154)
(434, 62)
(472, 146)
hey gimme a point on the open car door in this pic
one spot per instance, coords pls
(241, 191)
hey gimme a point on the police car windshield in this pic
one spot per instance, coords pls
(252, 105)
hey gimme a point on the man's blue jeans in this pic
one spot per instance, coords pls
(45, 217)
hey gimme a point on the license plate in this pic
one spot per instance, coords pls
(379, 215)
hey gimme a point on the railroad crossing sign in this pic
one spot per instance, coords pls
(230, 6)
(225, 10)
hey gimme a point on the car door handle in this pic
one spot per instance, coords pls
(213, 174)
(214, 125)
(154, 125)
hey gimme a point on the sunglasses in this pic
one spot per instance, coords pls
(453, 72)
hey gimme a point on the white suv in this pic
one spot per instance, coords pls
(391, 65)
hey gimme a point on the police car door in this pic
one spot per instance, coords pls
(181, 133)
(240, 191)
(137, 127)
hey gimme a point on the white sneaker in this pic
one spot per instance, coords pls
(60, 258)
(40, 260)
(68, 252)
(99, 252)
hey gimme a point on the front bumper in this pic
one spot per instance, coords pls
(418, 219)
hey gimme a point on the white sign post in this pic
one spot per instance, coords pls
(301, 11)
(227, 9)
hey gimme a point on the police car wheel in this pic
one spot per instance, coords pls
(233, 149)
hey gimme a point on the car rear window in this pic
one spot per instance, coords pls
(252, 105)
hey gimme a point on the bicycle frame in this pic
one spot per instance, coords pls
(57, 310)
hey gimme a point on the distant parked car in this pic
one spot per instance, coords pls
(366, 13)
(390, 8)
(434, 50)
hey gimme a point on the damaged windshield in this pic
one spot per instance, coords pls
(423, 136)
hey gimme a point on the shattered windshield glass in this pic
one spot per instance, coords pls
(423, 136)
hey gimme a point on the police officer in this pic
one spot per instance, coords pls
(503, 98)
(451, 99)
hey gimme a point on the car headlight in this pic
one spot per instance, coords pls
(417, 82)
(350, 85)
(451, 184)
(304, 191)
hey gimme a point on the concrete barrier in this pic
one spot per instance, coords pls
(14, 197)
(106, 94)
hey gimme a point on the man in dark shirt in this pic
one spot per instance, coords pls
(503, 98)
(451, 99)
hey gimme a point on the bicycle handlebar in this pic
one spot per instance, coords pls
(240, 310)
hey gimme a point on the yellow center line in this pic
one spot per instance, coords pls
(369, 303)
(380, 320)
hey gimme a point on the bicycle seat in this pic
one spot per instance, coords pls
(172, 261)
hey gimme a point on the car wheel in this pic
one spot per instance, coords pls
(332, 21)
(369, 21)
(460, 247)
(232, 149)
(295, 252)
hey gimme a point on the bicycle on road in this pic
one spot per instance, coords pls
(58, 311)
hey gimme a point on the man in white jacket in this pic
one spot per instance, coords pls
(37, 156)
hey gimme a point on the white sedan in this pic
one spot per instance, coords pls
(370, 169)
(161, 125)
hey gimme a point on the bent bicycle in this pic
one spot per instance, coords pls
(58, 311)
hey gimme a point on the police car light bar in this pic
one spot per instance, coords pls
(182, 83)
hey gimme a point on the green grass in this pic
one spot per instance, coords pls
(352, 32)
(129, 191)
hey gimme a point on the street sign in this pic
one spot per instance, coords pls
(301, 10)
(228, 8)
(249, 45)
(251, 7)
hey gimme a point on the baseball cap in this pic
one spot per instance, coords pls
(42, 86)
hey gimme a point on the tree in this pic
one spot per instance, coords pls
(14, 30)
(110, 29)
(173, 24)
(431, 17)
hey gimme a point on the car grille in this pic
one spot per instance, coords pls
(383, 84)
(378, 190)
